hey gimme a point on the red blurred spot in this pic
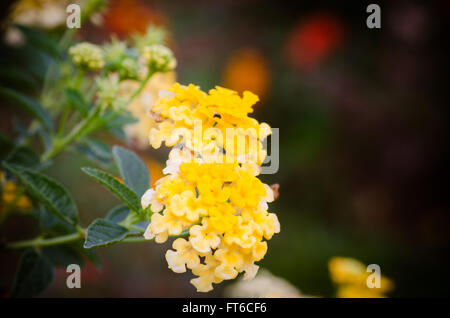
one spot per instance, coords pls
(314, 39)
(128, 16)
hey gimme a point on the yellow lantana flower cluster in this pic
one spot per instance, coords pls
(11, 196)
(350, 276)
(219, 204)
(184, 112)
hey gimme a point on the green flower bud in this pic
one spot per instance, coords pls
(153, 35)
(159, 58)
(129, 68)
(114, 50)
(87, 55)
(108, 88)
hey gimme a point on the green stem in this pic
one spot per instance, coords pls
(62, 45)
(66, 112)
(41, 242)
(141, 87)
(136, 239)
(63, 120)
(112, 115)
(77, 132)
(66, 38)
(131, 219)
(78, 78)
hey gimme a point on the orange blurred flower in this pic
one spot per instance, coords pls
(128, 16)
(247, 69)
(155, 169)
(313, 40)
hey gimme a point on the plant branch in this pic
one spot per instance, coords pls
(41, 242)
(78, 131)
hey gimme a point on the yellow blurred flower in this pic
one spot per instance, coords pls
(12, 195)
(141, 105)
(46, 14)
(350, 277)
(347, 271)
(353, 291)
(247, 69)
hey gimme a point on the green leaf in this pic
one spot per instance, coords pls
(97, 151)
(118, 133)
(23, 156)
(132, 169)
(29, 104)
(47, 191)
(63, 255)
(76, 100)
(40, 40)
(47, 139)
(125, 194)
(103, 232)
(122, 119)
(140, 227)
(26, 59)
(34, 275)
(15, 77)
(6, 146)
(51, 223)
(118, 214)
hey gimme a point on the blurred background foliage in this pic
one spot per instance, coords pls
(363, 117)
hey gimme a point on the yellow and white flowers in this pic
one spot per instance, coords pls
(213, 196)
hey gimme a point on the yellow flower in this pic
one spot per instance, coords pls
(185, 256)
(206, 274)
(347, 271)
(353, 291)
(214, 196)
(350, 276)
(202, 238)
(248, 191)
(46, 14)
(231, 262)
(221, 109)
(12, 196)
